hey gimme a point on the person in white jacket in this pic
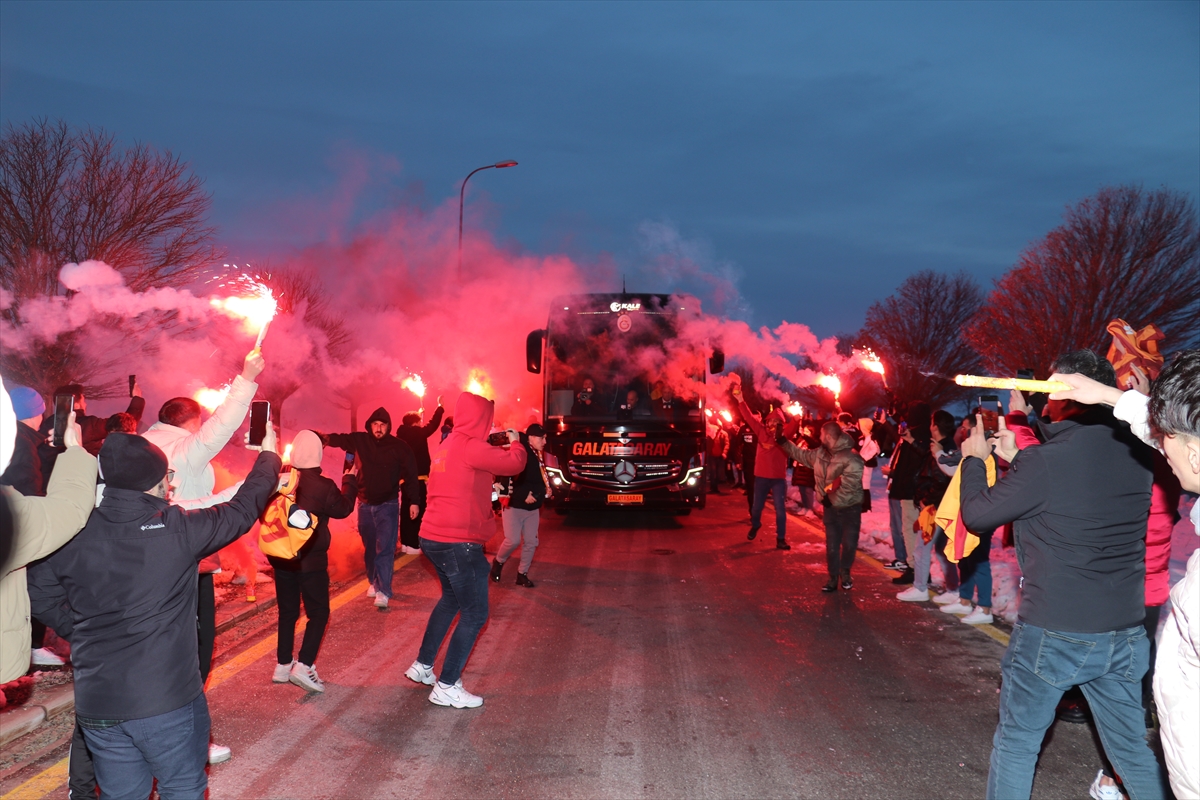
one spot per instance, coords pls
(1169, 419)
(191, 443)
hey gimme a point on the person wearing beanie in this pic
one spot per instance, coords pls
(24, 472)
(387, 467)
(129, 578)
(40, 525)
(527, 494)
(306, 577)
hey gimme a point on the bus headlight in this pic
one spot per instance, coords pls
(692, 477)
(556, 477)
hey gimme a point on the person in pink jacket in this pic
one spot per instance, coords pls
(458, 521)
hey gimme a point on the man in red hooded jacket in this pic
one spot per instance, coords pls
(458, 521)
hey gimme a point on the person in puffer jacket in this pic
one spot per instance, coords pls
(458, 521)
(837, 479)
(1169, 420)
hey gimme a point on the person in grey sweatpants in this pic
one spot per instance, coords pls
(527, 494)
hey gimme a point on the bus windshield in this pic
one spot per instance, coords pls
(620, 364)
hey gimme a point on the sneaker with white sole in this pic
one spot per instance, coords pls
(456, 696)
(370, 590)
(1099, 791)
(977, 617)
(419, 673)
(306, 677)
(282, 671)
(960, 608)
(913, 595)
(381, 601)
(947, 597)
(45, 657)
(218, 753)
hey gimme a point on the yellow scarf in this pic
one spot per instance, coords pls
(949, 515)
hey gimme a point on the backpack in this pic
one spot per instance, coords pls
(285, 526)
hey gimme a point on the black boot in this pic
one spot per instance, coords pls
(523, 580)
(846, 582)
(497, 566)
(905, 578)
(830, 586)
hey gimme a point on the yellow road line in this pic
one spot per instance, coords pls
(55, 777)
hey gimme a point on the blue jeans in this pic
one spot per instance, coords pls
(976, 573)
(172, 747)
(1038, 666)
(777, 488)
(463, 570)
(378, 527)
(896, 522)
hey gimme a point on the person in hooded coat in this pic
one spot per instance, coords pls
(458, 521)
(386, 466)
(306, 576)
(416, 436)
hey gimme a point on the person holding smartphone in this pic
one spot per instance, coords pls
(190, 443)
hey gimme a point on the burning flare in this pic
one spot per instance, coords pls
(795, 409)
(479, 383)
(725, 415)
(256, 307)
(871, 362)
(417, 386)
(209, 399)
(287, 453)
(833, 383)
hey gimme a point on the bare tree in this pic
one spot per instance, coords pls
(917, 333)
(71, 195)
(1123, 253)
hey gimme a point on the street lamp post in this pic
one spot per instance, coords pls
(462, 194)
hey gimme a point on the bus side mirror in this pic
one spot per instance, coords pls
(533, 351)
(716, 362)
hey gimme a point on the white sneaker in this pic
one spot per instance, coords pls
(281, 672)
(306, 677)
(960, 608)
(419, 673)
(43, 657)
(1100, 791)
(946, 598)
(445, 695)
(913, 595)
(218, 753)
(370, 590)
(977, 617)
(381, 601)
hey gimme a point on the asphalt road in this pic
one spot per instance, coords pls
(656, 657)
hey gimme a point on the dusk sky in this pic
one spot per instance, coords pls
(818, 152)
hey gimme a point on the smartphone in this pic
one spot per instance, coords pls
(989, 409)
(64, 404)
(132, 383)
(260, 412)
(1025, 374)
(349, 465)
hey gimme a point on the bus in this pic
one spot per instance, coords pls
(623, 380)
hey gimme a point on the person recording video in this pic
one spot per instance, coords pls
(585, 401)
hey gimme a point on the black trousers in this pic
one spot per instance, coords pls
(749, 473)
(410, 529)
(81, 775)
(290, 589)
(842, 526)
(206, 622)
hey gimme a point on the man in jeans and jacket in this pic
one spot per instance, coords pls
(386, 467)
(130, 582)
(526, 495)
(1078, 506)
(837, 478)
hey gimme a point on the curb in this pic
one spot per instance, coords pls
(29, 718)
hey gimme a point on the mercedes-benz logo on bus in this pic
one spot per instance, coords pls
(624, 472)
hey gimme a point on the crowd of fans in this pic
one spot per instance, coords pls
(111, 537)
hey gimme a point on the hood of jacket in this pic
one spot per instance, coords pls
(473, 415)
(122, 506)
(379, 415)
(844, 442)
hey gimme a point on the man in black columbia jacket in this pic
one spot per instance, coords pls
(384, 462)
(527, 494)
(130, 580)
(1079, 503)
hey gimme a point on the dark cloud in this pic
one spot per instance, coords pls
(818, 152)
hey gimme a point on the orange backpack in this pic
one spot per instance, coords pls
(285, 527)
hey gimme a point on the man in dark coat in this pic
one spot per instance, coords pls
(94, 428)
(385, 462)
(527, 494)
(1078, 503)
(416, 436)
(130, 581)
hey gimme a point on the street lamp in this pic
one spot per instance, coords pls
(462, 193)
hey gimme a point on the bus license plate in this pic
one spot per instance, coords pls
(625, 499)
